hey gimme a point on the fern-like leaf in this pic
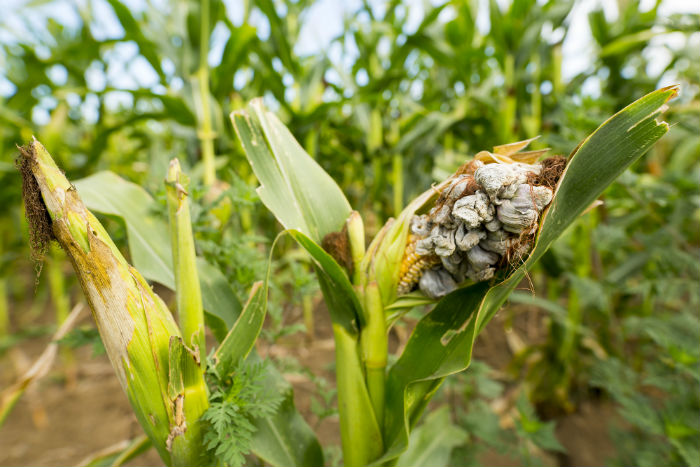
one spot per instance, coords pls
(234, 403)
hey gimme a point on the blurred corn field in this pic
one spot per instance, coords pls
(388, 98)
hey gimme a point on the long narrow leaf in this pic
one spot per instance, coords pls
(343, 305)
(292, 185)
(133, 31)
(241, 338)
(433, 441)
(303, 197)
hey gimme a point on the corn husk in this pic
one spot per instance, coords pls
(135, 325)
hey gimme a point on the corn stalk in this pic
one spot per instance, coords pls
(205, 131)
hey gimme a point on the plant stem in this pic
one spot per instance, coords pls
(307, 306)
(536, 110)
(397, 168)
(311, 142)
(360, 435)
(375, 350)
(582, 247)
(508, 106)
(4, 309)
(557, 59)
(375, 135)
(205, 133)
(4, 302)
(378, 171)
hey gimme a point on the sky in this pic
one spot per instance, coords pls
(323, 22)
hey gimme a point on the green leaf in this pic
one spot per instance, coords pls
(688, 449)
(233, 57)
(624, 43)
(175, 108)
(241, 338)
(404, 304)
(410, 300)
(482, 422)
(292, 185)
(343, 305)
(530, 427)
(133, 30)
(432, 442)
(440, 344)
(285, 439)
(149, 243)
(442, 341)
(219, 299)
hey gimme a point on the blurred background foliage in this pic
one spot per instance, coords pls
(397, 98)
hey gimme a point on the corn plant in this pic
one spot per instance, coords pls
(163, 367)
(368, 288)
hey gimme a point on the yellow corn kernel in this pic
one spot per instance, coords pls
(413, 266)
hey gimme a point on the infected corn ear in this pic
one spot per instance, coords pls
(484, 218)
(134, 323)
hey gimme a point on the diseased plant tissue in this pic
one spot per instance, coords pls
(484, 219)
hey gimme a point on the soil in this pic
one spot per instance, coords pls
(57, 423)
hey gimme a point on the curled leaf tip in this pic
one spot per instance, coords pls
(676, 88)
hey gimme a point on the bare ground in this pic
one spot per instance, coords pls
(59, 424)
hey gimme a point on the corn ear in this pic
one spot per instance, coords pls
(188, 292)
(134, 323)
(386, 253)
(186, 387)
(484, 218)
